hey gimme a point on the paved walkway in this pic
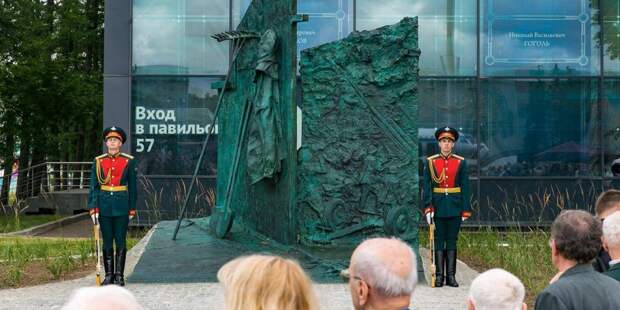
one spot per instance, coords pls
(210, 295)
(79, 229)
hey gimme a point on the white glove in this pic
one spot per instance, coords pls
(429, 217)
(463, 218)
(95, 218)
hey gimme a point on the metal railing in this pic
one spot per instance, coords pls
(53, 177)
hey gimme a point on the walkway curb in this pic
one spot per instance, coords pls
(40, 229)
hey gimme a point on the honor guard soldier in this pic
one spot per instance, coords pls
(446, 202)
(112, 201)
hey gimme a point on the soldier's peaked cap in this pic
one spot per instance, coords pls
(115, 132)
(447, 132)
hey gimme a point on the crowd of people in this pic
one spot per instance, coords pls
(382, 274)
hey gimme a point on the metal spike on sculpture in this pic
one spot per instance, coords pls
(232, 35)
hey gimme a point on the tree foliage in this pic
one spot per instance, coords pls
(51, 62)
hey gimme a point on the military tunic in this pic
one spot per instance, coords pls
(446, 193)
(113, 194)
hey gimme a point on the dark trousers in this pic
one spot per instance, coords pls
(446, 232)
(114, 229)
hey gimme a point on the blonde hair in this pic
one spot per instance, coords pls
(265, 282)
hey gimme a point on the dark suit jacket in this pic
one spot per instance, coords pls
(601, 262)
(614, 271)
(580, 287)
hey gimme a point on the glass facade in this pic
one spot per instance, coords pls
(539, 38)
(533, 85)
(171, 115)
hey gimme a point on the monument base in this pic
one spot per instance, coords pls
(197, 254)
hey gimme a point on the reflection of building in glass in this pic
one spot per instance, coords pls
(532, 126)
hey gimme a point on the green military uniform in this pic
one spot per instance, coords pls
(446, 194)
(113, 197)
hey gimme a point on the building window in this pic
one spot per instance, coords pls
(539, 38)
(170, 117)
(447, 31)
(174, 37)
(539, 128)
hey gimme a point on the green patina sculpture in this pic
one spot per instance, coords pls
(356, 175)
(256, 139)
(265, 138)
(358, 166)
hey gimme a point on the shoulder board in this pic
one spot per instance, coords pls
(458, 157)
(126, 155)
(101, 156)
(433, 157)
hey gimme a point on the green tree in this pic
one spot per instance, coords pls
(51, 55)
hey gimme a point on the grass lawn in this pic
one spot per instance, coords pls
(8, 223)
(26, 261)
(524, 254)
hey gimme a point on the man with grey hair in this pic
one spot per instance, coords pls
(575, 242)
(496, 289)
(607, 203)
(611, 243)
(382, 274)
(109, 297)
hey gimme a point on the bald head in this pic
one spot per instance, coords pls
(388, 265)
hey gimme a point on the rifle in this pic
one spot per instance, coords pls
(98, 252)
(431, 237)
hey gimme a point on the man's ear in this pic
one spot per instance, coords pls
(362, 292)
(524, 307)
(554, 249)
(605, 246)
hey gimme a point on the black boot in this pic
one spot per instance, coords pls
(451, 268)
(108, 264)
(439, 270)
(119, 275)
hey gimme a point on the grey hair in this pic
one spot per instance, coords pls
(497, 289)
(611, 230)
(103, 297)
(380, 277)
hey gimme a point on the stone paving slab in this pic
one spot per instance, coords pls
(210, 295)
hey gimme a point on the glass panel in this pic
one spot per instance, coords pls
(448, 103)
(159, 198)
(169, 116)
(611, 36)
(611, 123)
(174, 37)
(447, 31)
(329, 20)
(539, 128)
(538, 38)
(238, 10)
(532, 201)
